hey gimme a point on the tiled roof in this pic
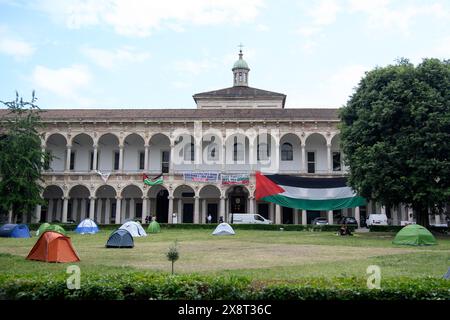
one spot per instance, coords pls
(186, 114)
(241, 92)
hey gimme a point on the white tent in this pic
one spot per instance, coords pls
(134, 228)
(87, 226)
(223, 229)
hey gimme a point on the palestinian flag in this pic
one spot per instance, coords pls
(153, 181)
(307, 193)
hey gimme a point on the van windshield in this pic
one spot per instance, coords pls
(258, 217)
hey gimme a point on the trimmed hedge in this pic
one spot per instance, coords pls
(398, 228)
(144, 286)
(273, 227)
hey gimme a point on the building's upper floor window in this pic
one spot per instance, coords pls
(189, 152)
(287, 152)
(337, 161)
(212, 153)
(311, 158)
(72, 160)
(141, 160)
(263, 151)
(238, 152)
(116, 159)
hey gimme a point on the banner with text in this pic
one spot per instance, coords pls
(201, 176)
(228, 179)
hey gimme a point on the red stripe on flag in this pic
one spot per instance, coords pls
(266, 187)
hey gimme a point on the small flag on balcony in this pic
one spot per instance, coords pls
(307, 193)
(153, 181)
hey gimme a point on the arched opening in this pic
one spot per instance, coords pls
(210, 201)
(316, 153)
(336, 154)
(131, 206)
(56, 145)
(82, 153)
(290, 153)
(79, 204)
(159, 157)
(237, 199)
(134, 153)
(52, 210)
(211, 151)
(159, 203)
(184, 203)
(106, 204)
(237, 153)
(108, 153)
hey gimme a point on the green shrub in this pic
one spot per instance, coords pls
(144, 286)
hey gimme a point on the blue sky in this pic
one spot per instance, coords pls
(157, 54)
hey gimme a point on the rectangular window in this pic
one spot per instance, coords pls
(91, 160)
(72, 160)
(311, 162)
(141, 160)
(165, 158)
(337, 161)
(116, 160)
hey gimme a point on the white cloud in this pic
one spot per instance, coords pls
(63, 82)
(141, 17)
(110, 59)
(262, 27)
(194, 67)
(14, 46)
(324, 12)
(341, 84)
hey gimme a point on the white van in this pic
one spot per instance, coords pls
(377, 219)
(247, 218)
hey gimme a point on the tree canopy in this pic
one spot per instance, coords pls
(21, 157)
(395, 134)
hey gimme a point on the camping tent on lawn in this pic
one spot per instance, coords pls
(53, 247)
(223, 229)
(134, 228)
(15, 231)
(414, 235)
(42, 228)
(87, 226)
(154, 227)
(120, 238)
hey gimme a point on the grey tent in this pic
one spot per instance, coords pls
(447, 275)
(120, 238)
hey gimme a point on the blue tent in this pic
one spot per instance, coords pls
(15, 231)
(120, 238)
(87, 226)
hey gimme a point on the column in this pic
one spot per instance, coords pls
(271, 212)
(10, 215)
(253, 157)
(99, 211)
(358, 216)
(410, 214)
(196, 209)
(222, 207)
(132, 208)
(277, 214)
(329, 158)
(64, 212)
(295, 211)
(146, 147)
(303, 159)
(37, 217)
(83, 209)
(50, 210)
(75, 209)
(172, 146)
(58, 214)
(304, 218)
(107, 211)
(204, 213)
(123, 214)
(330, 217)
(68, 152)
(394, 211)
(144, 208)
(118, 209)
(180, 211)
(227, 209)
(92, 208)
(251, 204)
(170, 211)
(94, 161)
(121, 157)
(224, 157)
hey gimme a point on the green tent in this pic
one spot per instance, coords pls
(414, 235)
(50, 227)
(153, 227)
(42, 227)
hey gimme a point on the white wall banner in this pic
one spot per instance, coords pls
(104, 175)
(201, 176)
(228, 179)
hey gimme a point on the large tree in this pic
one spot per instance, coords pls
(396, 136)
(21, 157)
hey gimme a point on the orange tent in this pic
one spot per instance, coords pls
(53, 247)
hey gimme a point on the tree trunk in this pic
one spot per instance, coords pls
(422, 216)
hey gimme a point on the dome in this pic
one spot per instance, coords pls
(240, 64)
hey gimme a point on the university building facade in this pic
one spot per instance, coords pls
(100, 157)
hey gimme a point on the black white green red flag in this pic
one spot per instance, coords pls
(307, 193)
(153, 181)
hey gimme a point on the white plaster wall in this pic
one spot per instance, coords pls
(295, 164)
(318, 144)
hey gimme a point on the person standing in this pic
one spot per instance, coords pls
(209, 218)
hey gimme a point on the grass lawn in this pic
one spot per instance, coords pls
(278, 255)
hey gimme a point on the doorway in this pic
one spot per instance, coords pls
(188, 213)
(162, 206)
(212, 210)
